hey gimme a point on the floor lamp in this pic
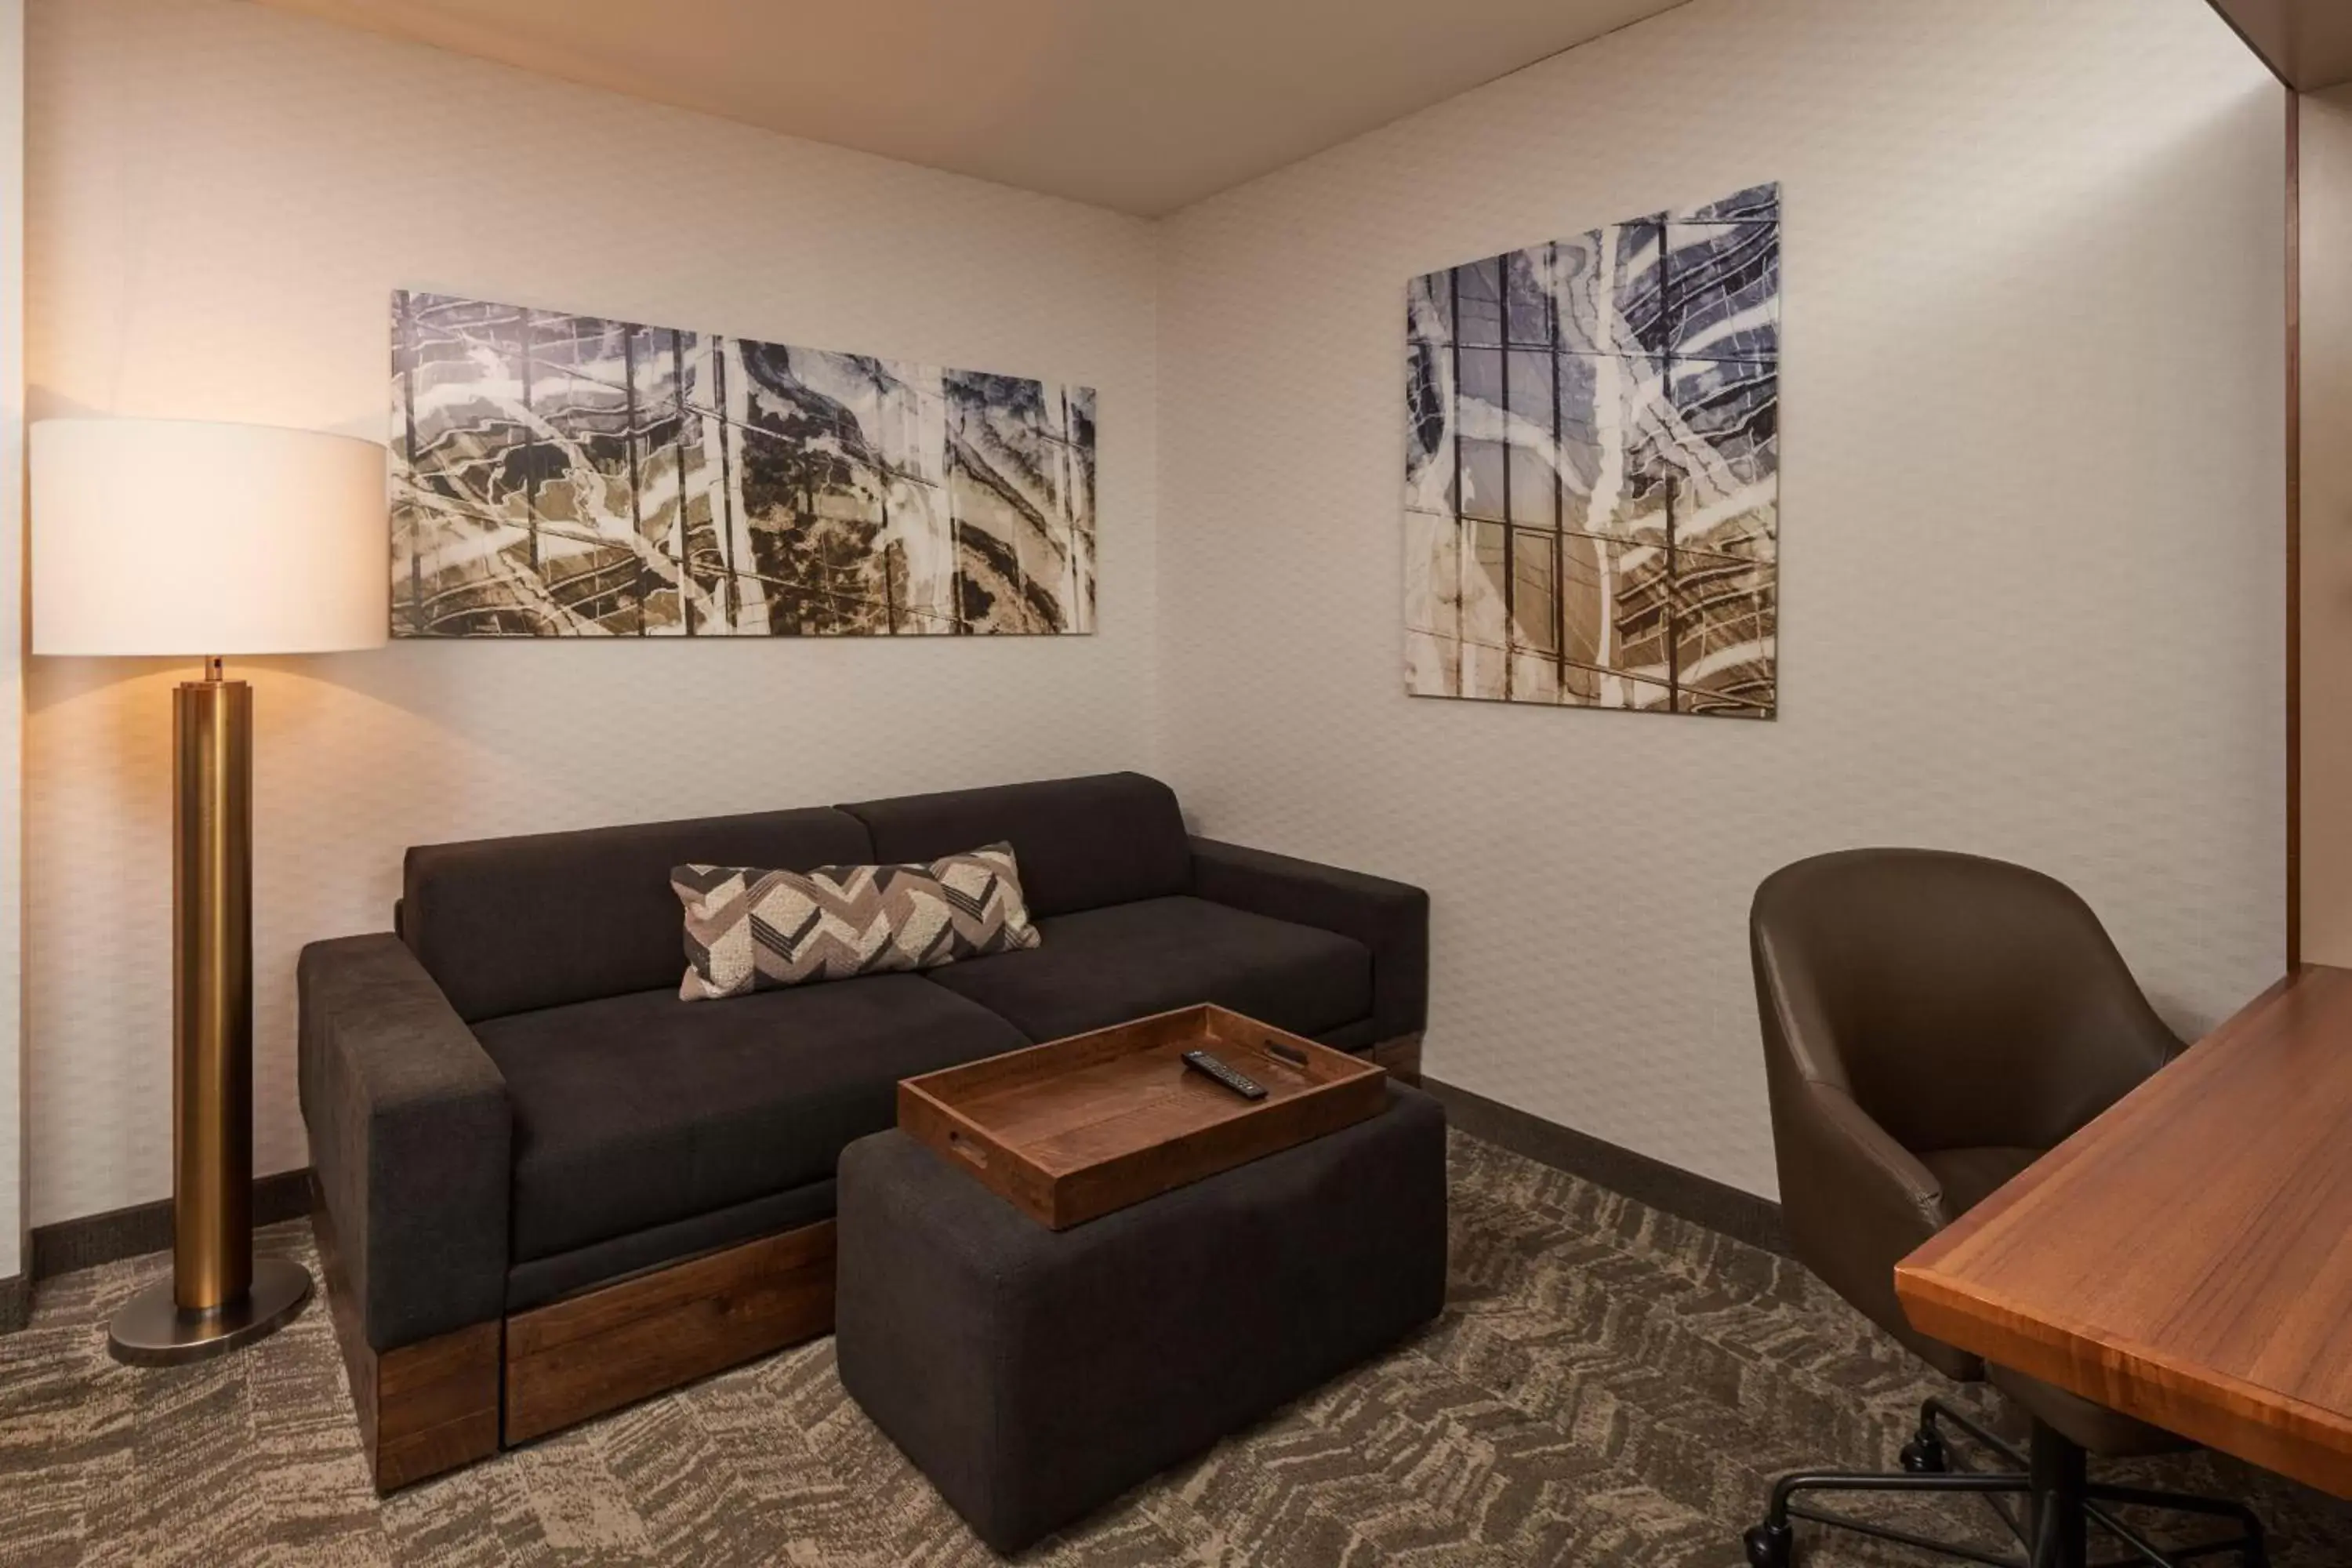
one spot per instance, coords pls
(179, 537)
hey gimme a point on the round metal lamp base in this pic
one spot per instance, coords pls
(151, 1330)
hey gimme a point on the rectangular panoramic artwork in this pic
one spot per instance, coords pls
(1593, 467)
(557, 475)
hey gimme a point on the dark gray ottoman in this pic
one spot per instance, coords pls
(1034, 1374)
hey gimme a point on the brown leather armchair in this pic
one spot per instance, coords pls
(1933, 1023)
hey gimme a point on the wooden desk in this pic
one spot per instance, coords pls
(2187, 1257)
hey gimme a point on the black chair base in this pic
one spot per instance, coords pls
(2053, 1529)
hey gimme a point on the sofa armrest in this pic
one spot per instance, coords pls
(1390, 917)
(410, 1137)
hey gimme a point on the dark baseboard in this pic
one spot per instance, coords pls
(1702, 1200)
(84, 1243)
(16, 1302)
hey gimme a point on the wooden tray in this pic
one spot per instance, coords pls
(1077, 1127)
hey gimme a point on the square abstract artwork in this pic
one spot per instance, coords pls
(557, 475)
(1593, 467)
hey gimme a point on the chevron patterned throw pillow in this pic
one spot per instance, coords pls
(750, 931)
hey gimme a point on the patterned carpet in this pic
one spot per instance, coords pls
(1608, 1385)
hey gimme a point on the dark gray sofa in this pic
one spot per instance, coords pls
(508, 1105)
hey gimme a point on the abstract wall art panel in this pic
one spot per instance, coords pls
(567, 476)
(1593, 467)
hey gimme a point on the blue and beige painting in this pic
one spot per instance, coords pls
(1593, 467)
(560, 474)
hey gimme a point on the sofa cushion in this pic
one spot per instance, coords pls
(507, 925)
(1104, 966)
(1083, 843)
(748, 930)
(631, 1111)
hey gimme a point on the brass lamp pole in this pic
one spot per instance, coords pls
(171, 536)
(218, 1297)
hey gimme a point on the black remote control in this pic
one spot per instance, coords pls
(1203, 1062)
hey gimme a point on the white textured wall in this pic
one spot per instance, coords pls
(221, 198)
(2031, 567)
(12, 692)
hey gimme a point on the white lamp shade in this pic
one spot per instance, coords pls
(180, 536)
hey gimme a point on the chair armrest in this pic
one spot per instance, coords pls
(1857, 1203)
(1390, 917)
(410, 1137)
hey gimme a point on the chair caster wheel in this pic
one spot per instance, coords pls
(1925, 1456)
(1767, 1546)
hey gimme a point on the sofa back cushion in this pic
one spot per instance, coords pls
(1083, 843)
(507, 925)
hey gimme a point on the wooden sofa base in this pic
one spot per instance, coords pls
(432, 1407)
(1400, 1056)
(427, 1408)
(615, 1345)
(423, 1408)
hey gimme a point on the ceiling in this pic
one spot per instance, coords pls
(1140, 105)
(2308, 42)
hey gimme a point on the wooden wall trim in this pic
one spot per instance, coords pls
(66, 1244)
(2228, 10)
(2306, 44)
(1686, 1194)
(2294, 532)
